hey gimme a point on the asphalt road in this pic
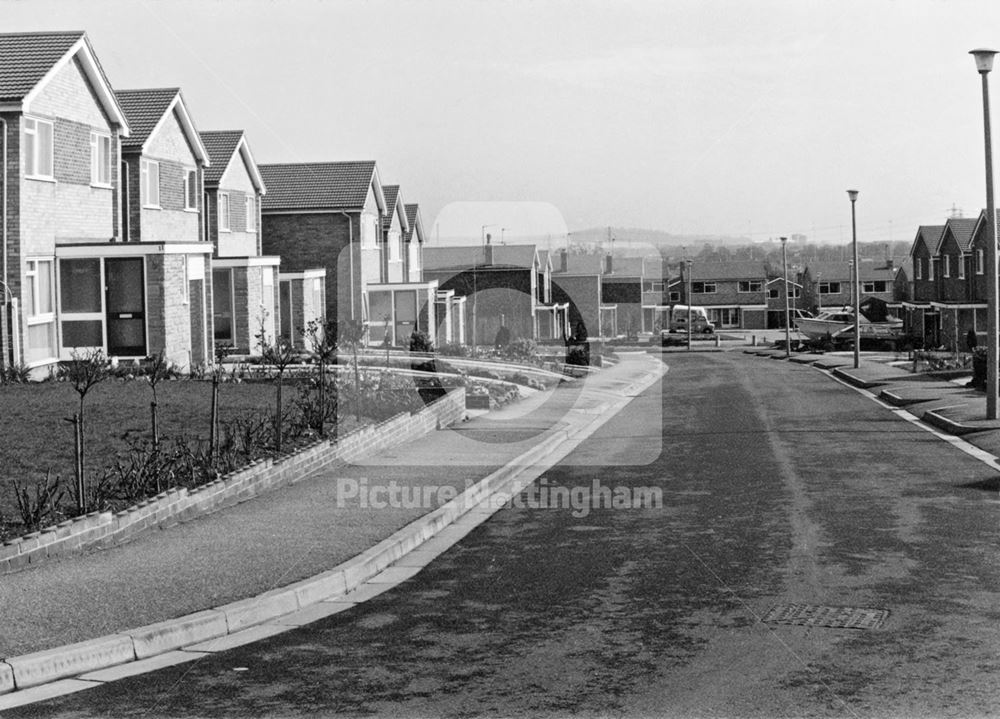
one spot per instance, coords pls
(779, 487)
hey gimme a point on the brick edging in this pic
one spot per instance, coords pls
(106, 529)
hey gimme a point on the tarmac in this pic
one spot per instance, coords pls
(283, 553)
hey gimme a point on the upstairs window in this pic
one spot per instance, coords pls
(980, 264)
(750, 286)
(37, 148)
(224, 212)
(918, 265)
(251, 207)
(703, 288)
(100, 159)
(149, 183)
(878, 285)
(829, 288)
(191, 190)
(961, 267)
(947, 265)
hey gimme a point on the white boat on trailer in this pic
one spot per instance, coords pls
(839, 322)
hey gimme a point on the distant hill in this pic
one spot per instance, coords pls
(626, 237)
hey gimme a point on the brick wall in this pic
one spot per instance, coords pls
(105, 529)
(310, 241)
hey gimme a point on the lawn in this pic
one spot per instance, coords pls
(37, 439)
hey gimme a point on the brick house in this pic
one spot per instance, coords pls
(245, 283)
(331, 215)
(949, 283)
(828, 284)
(503, 286)
(163, 163)
(61, 131)
(735, 294)
(101, 250)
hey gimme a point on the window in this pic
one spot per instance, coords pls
(369, 235)
(829, 288)
(191, 190)
(81, 302)
(223, 212)
(979, 262)
(100, 159)
(750, 286)
(918, 265)
(251, 214)
(930, 267)
(794, 292)
(961, 267)
(37, 148)
(40, 306)
(773, 293)
(674, 296)
(703, 288)
(878, 285)
(149, 183)
(653, 286)
(947, 267)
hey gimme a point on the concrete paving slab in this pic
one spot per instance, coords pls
(312, 613)
(365, 592)
(394, 575)
(168, 659)
(46, 691)
(238, 639)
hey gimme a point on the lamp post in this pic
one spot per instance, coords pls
(788, 319)
(689, 263)
(984, 63)
(855, 274)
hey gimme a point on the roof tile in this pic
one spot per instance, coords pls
(25, 58)
(317, 185)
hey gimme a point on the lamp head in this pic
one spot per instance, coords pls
(783, 240)
(852, 194)
(984, 59)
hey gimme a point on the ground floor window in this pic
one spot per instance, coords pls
(223, 302)
(40, 309)
(724, 316)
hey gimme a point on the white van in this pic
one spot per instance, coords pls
(699, 320)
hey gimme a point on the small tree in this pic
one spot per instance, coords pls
(84, 371)
(351, 335)
(278, 353)
(156, 371)
(321, 336)
(213, 428)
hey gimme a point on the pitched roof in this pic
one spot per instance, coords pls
(221, 146)
(469, 256)
(961, 228)
(929, 235)
(868, 269)
(415, 225)
(146, 109)
(28, 58)
(391, 193)
(320, 185)
(727, 270)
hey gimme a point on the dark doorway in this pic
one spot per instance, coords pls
(125, 302)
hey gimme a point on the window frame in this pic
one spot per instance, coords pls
(225, 219)
(250, 207)
(829, 287)
(100, 141)
(980, 261)
(33, 146)
(704, 288)
(946, 270)
(191, 190)
(750, 286)
(147, 183)
(961, 267)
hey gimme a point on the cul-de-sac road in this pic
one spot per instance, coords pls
(783, 491)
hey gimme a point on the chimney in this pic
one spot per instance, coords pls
(609, 264)
(562, 260)
(888, 263)
(489, 251)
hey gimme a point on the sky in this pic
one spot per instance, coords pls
(719, 117)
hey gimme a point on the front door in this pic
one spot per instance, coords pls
(125, 305)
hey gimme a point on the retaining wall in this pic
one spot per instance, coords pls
(104, 529)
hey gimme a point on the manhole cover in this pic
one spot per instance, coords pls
(815, 615)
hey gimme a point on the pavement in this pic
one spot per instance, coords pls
(235, 563)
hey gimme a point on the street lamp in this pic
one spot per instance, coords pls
(788, 319)
(855, 274)
(984, 63)
(689, 263)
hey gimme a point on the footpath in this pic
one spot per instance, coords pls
(300, 552)
(937, 398)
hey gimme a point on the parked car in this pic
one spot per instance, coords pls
(699, 320)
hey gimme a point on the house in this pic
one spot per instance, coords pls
(163, 164)
(735, 294)
(949, 283)
(500, 283)
(101, 230)
(244, 282)
(332, 215)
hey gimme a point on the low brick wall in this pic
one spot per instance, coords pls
(104, 529)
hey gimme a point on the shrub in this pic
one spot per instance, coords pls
(421, 342)
(37, 508)
(453, 349)
(521, 350)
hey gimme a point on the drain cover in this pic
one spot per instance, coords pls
(816, 615)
